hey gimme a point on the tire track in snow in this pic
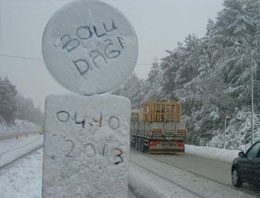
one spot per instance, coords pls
(244, 190)
(22, 156)
(134, 192)
(170, 181)
(16, 148)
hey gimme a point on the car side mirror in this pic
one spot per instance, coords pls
(242, 154)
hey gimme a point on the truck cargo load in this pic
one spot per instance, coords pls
(158, 128)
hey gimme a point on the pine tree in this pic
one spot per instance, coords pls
(7, 100)
(253, 10)
(183, 65)
(132, 89)
(27, 111)
(233, 25)
(211, 75)
(153, 84)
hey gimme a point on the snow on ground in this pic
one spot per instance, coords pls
(212, 153)
(20, 126)
(154, 179)
(149, 185)
(12, 148)
(149, 178)
(23, 179)
(238, 132)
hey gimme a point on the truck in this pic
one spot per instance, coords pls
(158, 128)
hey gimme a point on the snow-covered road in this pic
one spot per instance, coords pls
(11, 149)
(150, 176)
(23, 178)
(168, 176)
(9, 135)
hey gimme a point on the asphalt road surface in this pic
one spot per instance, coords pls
(160, 176)
(191, 171)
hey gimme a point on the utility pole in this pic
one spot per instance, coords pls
(1, 26)
(226, 117)
(252, 97)
(225, 133)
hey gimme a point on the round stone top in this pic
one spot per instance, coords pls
(89, 47)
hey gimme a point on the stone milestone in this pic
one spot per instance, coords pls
(86, 147)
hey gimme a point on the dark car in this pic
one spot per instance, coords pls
(246, 167)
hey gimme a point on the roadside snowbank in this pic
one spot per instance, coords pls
(212, 153)
(20, 126)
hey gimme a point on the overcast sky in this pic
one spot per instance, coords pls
(159, 24)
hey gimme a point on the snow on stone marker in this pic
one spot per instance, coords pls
(86, 147)
(90, 48)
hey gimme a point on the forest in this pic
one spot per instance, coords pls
(211, 76)
(14, 106)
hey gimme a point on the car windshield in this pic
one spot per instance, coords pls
(253, 152)
(129, 98)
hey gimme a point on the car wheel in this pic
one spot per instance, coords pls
(236, 180)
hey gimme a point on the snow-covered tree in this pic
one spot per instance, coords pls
(211, 76)
(27, 111)
(132, 89)
(233, 25)
(152, 86)
(7, 100)
(183, 65)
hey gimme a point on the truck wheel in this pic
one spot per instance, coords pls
(136, 144)
(132, 144)
(147, 148)
(142, 145)
(139, 144)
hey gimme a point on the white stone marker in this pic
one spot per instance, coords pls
(86, 147)
(89, 47)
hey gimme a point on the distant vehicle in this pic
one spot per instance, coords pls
(158, 128)
(246, 168)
